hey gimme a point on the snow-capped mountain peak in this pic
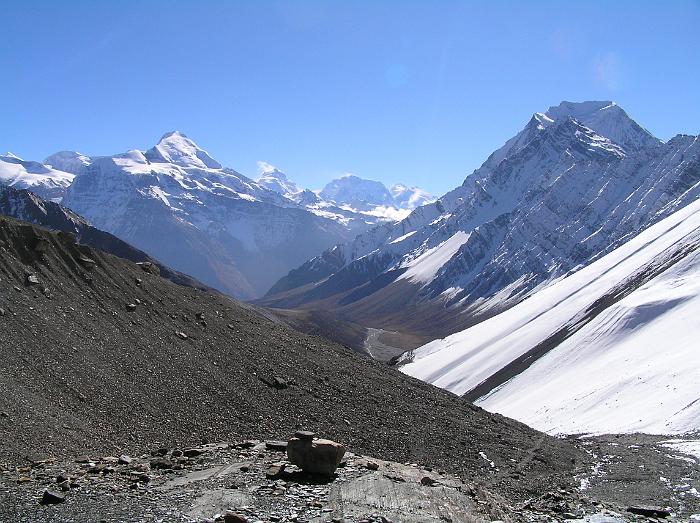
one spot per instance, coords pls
(356, 192)
(275, 180)
(175, 147)
(607, 119)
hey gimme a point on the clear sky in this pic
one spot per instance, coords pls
(418, 92)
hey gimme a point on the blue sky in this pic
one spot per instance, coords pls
(418, 92)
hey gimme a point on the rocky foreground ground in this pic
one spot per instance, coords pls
(101, 358)
(253, 482)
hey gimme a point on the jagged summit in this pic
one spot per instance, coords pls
(175, 147)
(607, 119)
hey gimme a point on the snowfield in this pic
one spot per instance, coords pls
(635, 367)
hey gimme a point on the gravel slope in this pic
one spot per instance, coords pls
(115, 359)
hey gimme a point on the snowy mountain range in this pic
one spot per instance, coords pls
(348, 197)
(183, 207)
(611, 348)
(579, 180)
(44, 180)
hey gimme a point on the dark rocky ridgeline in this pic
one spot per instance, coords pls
(25, 205)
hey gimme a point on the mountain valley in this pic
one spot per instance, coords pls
(538, 322)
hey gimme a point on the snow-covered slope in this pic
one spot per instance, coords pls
(45, 181)
(69, 161)
(177, 203)
(611, 348)
(555, 197)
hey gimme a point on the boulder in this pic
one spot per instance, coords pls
(279, 383)
(161, 463)
(193, 452)
(319, 456)
(52, 497)
(149, 267)
(275, 471)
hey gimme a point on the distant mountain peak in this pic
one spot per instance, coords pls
(267, 169)
(352, 190)
(275, 180)
(175, 147)
(407, 197)
(170, 134)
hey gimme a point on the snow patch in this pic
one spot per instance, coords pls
(424, 268)
(402, 238)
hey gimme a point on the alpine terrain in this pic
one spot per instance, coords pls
(178, 204)
(126, 394)
(578, 181)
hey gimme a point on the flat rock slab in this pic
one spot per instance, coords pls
(396, 492)
(218, 501)
(279, 446)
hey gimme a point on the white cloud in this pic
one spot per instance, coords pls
(391, 213)
(264, 168)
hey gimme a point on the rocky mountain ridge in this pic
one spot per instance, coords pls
(554, 198)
